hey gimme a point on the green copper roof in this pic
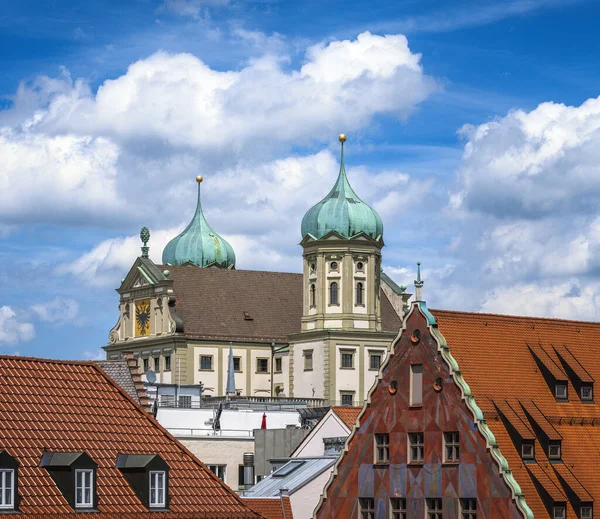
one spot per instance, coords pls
(199, 244)
(342, 211)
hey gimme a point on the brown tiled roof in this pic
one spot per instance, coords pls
(495, 355)
(212, 303)
(348, 414)
(270, 507)
(66, 406)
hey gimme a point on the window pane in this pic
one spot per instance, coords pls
(416, 384)
(168, 363)
(375, 361)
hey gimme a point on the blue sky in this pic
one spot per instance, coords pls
(472, 128)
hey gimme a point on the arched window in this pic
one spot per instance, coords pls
(312, 294)
(333, 293)
(359, 294)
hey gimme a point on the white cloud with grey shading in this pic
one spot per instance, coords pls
(14, 329)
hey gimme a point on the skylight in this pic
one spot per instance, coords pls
(288, 468)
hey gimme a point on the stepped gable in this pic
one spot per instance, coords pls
(447, 405)
(74, 407)
(512, 364)
(212, 303)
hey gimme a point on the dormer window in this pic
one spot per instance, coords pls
(75, 476)
(528, 450)
(157, 488)
(561, 391)
(148, 475)
(554, 449)
(8, 482)
(587, 393)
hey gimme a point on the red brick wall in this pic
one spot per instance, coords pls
(476, 474)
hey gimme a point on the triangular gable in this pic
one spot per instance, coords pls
(366, 419)
(142, 273)
(329, 415)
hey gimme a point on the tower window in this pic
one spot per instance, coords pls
(84, 488)
(206, 362)
(333, 293)
(375, 361)
(359, 294)
(157, 489)
(167, 362)
(347, 359)
(360, 266)
(333, 265)
(312, 292)
(7, 488)
(308, 360)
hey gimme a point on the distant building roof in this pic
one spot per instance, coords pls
(270, 507)
(292, 476)
(348, 414)
(273, 301)
(65, 406)
(119, 371)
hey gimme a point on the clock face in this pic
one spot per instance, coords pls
(142, 318)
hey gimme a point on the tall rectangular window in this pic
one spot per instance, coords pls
(416, 447)
(237, 364)
(333, 293)
(451, 447)
(398, 508)
(262, 365)
(308, 360)
(416, 384)
(84, 497)
(146, 365)
(218, 470)
(278, 365)
(347, 359)
(382, 448)
(156, 363)
(367, 507)
(375, 360)
(7, 488)
(434, 508)
(468, 508)
(157, 488)
(167, 362)
(206, 362)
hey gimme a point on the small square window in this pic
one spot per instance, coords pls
(308, 360)
(206, 362)
(559, 511)
(7, 489)
(451, 447)
(218, 470)
(398, 508)
(347, 397)
(382, 448)
(84, 488)
(416, 450)
(157, 489)
(528, 449)
(560, 391)
(585, 512)
(262, 365)
(367, 507)
(554, 450)
(434, 508)
(468, 508)
(278, 365)
(185, 401)
(375, 361)
(167, 362)
(347, 360)
(587, 393)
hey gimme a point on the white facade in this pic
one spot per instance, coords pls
(305, 499)
(330, 426)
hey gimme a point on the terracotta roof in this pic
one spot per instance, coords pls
(270, 507)
(348, 414)
(66, 406)
(496, 356)
(273, 301)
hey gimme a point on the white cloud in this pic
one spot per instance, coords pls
(13, 329)
(57, 311)
(191, 8)
(98, 354)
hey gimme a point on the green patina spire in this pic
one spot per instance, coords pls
(342, 211)
(199, 244)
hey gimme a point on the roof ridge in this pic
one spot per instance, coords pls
(49, 361)
(555, 320)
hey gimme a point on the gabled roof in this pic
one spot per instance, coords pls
(270, 507)
(212, 303)
(495, 355)
(348, 414)
(65, 406)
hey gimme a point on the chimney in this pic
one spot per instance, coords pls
(248, 470)
(137, 381)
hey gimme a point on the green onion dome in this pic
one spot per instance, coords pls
(199, 244)
(342, 211)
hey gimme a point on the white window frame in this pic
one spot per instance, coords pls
(416, 440)
(566, 391)
(555, 457)
(87, 483)
(528, 444)
(212, 364)
(217, 468)
(154, 478)
(454, 445)
(352, 354)
(381, 442)
(367, 507)
(398, 508)
(589, 398)
(587, 510)
(559, 511)
(4, 486)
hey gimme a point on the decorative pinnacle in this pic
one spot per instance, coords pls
(342, 138)
(145, 237)
(418, 272)
(199, 179)
(418, 283)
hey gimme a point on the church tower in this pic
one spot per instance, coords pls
(342, 341)
(342, 239)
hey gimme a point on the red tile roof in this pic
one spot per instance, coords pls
(348, 414)
(271, 507)
(496, 356)
(75, 407)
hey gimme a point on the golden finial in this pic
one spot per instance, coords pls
(199, 179)
(342, 137)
